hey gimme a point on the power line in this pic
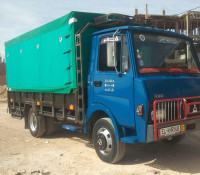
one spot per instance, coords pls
(189, 10)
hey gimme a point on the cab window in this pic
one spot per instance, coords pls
(113, 56)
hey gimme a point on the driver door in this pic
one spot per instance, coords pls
(113, 79)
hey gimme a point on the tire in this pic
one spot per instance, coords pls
(49, 125)
(107, 147)
(36, 124)
(174, 140)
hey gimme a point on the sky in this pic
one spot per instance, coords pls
(20, 16)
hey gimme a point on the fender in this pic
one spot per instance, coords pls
(96, 107)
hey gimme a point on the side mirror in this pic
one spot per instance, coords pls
(111, 54)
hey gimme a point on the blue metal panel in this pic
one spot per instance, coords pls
(173, 86)
(100, 107)
(91, 106)
(91, 71)
(71, 128)
(139, 28)
(141, 98)
(129, 139)
(119, 98)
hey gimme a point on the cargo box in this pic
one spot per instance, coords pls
(44, 59)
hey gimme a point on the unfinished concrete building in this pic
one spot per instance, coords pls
(187, 23)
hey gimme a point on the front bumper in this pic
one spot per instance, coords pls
(190, 125)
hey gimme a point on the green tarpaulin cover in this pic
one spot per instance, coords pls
(35, 61)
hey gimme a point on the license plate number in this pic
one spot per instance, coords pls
(169, 131)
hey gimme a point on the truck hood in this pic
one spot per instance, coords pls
(172, 87)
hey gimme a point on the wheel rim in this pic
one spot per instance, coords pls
(104, 141)
(33, 122)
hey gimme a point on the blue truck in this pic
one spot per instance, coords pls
(106, 76)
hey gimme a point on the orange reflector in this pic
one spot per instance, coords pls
(71, 107)
(140, 110)
(38, 103)
(182, 128)
(11, 100)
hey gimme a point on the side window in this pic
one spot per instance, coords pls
(109, 54)
(113, 56)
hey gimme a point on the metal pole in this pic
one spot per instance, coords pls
(146, 10)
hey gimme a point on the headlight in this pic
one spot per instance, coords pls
(160, 115)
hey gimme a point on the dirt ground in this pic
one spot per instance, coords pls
(66, 153)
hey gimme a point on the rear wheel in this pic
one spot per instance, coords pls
(107, 147)
(49, 126)
(36, 124)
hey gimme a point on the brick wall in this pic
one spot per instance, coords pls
(2, 74)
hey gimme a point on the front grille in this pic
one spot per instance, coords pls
(192, 107)
(193, 115)
(192, 100)
(150, 109)
(197, 106)
(176, 109)
(168, 110)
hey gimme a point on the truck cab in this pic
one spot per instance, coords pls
(146, 81)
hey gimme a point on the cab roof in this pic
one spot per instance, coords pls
(140, 28)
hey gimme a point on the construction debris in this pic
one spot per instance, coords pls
(3, 93)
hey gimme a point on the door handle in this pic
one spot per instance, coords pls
(97, 83)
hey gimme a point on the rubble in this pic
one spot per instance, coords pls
(3, 93)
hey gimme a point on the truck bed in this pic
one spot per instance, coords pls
(43, 60)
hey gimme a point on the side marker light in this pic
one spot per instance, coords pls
(140, 110)
(71, 107)
(38, 103)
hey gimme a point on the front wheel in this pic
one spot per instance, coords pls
(36, 124)
(107, 147)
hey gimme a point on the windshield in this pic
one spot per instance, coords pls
(156, 53)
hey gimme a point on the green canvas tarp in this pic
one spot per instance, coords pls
(35, 61)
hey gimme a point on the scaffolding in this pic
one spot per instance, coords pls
(187, 23)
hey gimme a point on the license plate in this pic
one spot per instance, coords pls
(172, 130)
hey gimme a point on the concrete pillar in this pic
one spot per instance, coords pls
(188, 25)
(136, 11)
(163, 12)
(177, 29)
(188, 33)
